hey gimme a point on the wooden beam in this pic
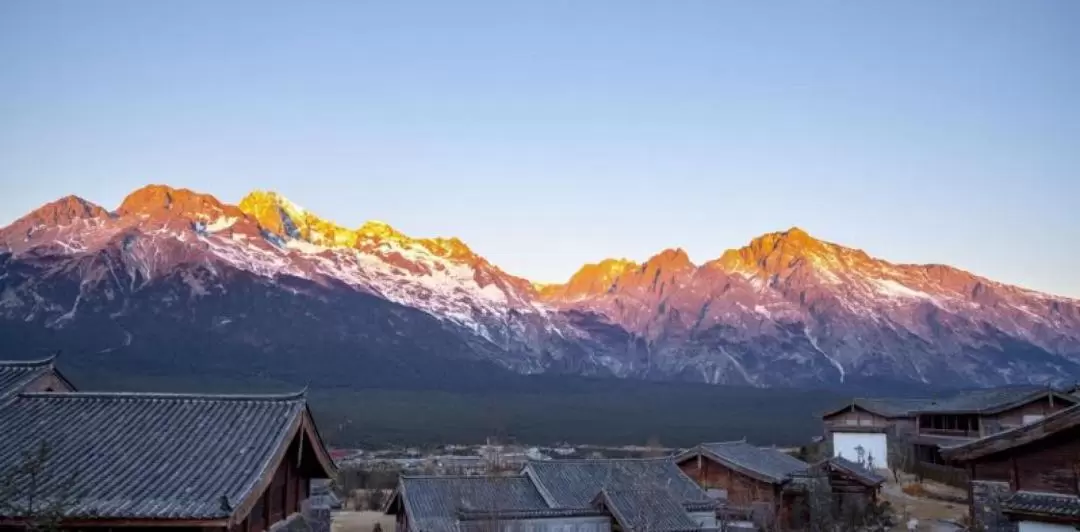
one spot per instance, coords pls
(1057, 422)
(1014, 474)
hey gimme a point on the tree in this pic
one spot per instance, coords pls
(901, 457)
(819, 509)
(34, 493)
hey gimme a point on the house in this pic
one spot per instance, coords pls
(31, 376)
(1025, 479)
(772, 483)
(861, 430)
(863, 427)
(850, 484)
(236, 463)
(558, 496)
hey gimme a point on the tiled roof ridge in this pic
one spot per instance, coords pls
(635, 490)
(1047, 494)
(43, 362)
(282, 397)
(461, 477)
(599, 460)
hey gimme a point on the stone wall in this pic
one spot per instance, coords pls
(986, 499)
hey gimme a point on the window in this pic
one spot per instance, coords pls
(1031, 418)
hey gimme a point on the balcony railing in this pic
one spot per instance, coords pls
(956, 433)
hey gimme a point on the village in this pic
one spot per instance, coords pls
(994, 459)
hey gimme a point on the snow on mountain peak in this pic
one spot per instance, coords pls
(785, 298)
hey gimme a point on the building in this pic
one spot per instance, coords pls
(236, 463)
(771, 484)
(31, 376)
(631, 495)
(1026, 479)
(915, 429)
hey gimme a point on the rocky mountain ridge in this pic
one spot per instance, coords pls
(787, 309)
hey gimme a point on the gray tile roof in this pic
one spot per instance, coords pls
(771, 465)
(14, 374)
(973, 401)
(1051, 504)
(575, 483)
(1055, 423)
(150, 456)
(647, 510)
(892, 407)
(990, 400)
(433, 504)
(857, 470)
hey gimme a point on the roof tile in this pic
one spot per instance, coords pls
(149, 455)
(772, 464)
(575, 483)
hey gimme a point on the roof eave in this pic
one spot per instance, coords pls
(764, 477)
(106, 521)
(243, 509)
(1003, 441)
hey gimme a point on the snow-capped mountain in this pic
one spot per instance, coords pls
(272, 284)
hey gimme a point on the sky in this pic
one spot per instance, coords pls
(550, 134)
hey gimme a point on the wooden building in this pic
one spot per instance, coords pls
(623, 495)
(772, 484)
(1026, 479)
(874, 431)
(230, 463)
(18, 376)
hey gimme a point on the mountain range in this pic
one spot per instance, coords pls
(175, 280)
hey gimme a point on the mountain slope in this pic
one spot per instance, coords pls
(268, 286)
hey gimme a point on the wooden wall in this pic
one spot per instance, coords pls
(48, 382)
(1049, 465)
(1015, 417)
(288, 488)
(742, 490)
(855, 418)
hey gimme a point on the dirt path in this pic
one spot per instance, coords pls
(348, 521)
(931, 514)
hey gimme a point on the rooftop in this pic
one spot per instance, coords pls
(1051, 504)
(856, 470)
(15, 374)
(970, 401)
(153, 456)
(768, 464)
(575, 483)
(655, 489)
(646, 510)
(1048, 426)
(433, 503)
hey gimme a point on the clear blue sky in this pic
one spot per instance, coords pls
(551, 133)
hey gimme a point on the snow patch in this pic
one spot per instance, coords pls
(893, 289)
(814, 342)
(304, 247)
(220, 224)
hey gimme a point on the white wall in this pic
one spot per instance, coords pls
(873, 443)
(1035, 526)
